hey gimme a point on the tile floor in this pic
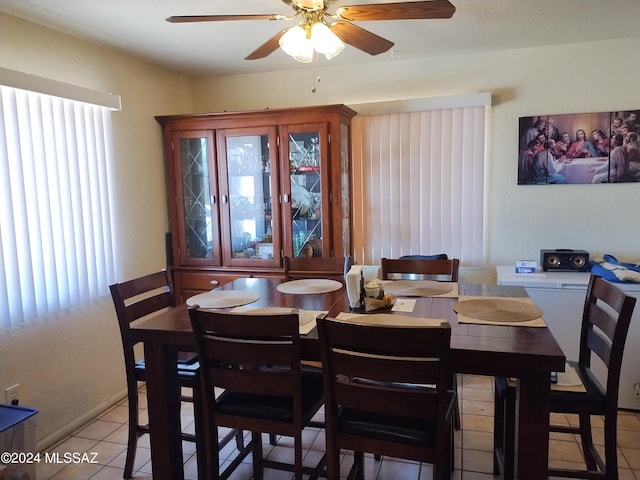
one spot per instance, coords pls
(106, 435)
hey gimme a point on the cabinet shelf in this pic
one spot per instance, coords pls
(305, 170)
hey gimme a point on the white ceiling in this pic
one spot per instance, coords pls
(219, 48)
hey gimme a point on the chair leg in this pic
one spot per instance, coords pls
(610, 446)
(297, 461)
(498, 429)
(132, 441)
(357, 471)
(456, 415)
(509, 438)
(256, 450)
(333, 459)
(587, 441)
(504, 426)
(239, 440)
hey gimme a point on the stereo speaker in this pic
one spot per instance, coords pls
(564, 260)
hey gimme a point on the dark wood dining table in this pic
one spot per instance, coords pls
(526, 353)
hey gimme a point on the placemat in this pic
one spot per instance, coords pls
(389, 319)
(222, 299)
(420, 288)
(511, 311)
(568, 381)
(309, 285)
(307, 318)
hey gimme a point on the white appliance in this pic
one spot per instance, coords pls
(561, 297)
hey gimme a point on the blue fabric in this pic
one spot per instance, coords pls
(612, 270)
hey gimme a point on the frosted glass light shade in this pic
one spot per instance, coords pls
(295, 43)
(325, 41)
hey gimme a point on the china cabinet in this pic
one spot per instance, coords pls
(246, 189)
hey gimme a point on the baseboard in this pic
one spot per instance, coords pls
(68, 429)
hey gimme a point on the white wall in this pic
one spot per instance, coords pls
(70, 365)
(521, 220)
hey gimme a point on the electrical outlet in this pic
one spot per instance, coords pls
(635, 389)
(12, 395)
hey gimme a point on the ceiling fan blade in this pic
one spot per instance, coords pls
(267, 48)
(360, 38)
(222, 18)
(397, 11)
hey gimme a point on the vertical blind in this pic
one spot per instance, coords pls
(56, 247)
(419, 184)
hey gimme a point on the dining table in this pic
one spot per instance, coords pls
(527, 354)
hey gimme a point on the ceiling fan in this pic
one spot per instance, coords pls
(324, 31)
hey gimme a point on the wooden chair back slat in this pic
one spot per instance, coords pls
(333, 268)
(444, 270)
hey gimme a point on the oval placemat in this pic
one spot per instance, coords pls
(309, 285)
(416, 288)
(222, 299)
(498, 310)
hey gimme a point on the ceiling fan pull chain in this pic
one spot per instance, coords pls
(316, 74)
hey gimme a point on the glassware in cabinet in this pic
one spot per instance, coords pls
(247, 203)
(195, 198)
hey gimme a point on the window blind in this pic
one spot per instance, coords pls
(419, 184)
(56, 247)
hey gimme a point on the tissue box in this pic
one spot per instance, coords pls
(526, 266)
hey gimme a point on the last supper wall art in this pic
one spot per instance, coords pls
(579, 148)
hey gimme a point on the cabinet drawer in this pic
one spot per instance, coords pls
(187, 284)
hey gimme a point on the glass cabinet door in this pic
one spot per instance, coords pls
(195, 204)
(248, 201)
(306, 212)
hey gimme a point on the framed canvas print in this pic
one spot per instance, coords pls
(579, 148)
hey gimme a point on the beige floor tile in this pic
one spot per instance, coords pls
(394, 470)
(477, 476)
(477, 440)
(478, 423)
(629, 439)
(120, 435)
(106, 452)
(107, 435)
(476, 381)
(76, 471)
(567, 451)
(119, 414)
(632, 456)
(482, 394)
(98, 430)
(475, 407)
(477, 461)
(558, 419)
(624, 474)
(629, 421)
(109, 473)
(622, 460)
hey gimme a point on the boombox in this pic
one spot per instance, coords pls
(564, 260)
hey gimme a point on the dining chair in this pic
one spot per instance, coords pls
(605, 323)
(387, 393)
(133, 300)
(424, 267)
(334, 268)
(416, 267)
(255, 360)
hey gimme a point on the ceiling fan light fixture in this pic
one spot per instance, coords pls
(325, 41)
(295, 43)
